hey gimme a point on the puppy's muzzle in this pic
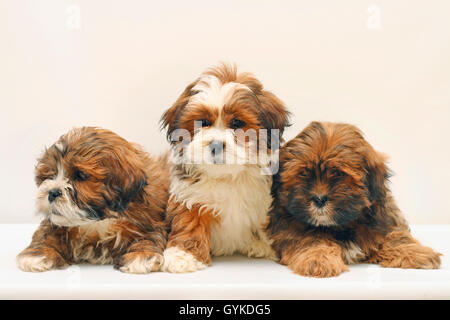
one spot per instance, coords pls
(320, 201)
(216, 147)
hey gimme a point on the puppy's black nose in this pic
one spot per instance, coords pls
(216, 147)
(53, 194)
(320, 201)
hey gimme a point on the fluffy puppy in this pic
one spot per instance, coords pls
(220, 185)
(103, 200)
(333, 206)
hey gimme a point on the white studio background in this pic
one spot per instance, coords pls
(382, 65)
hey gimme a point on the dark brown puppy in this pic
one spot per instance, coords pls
(103, 201)
(333, 206)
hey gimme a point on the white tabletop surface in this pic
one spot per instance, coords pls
(234, 277)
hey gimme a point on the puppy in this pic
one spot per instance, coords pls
(220, 191)
(333, 206)
(103, 200)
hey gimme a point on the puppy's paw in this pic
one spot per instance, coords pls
(261, 249)
(318, 264)
(180, 261)
(140, 262)
(38, 263)
(401, 250)
(415, 257)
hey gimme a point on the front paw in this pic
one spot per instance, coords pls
(180, 261)
(261, 249)
(416, 257)
(39, 263)
(140, 262)
(318, 264)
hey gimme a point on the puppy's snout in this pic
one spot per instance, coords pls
(216, 147)
(53, 194)
(320, 201)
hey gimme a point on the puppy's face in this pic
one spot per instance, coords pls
(330, 174)
(216, 123)
(87, 175)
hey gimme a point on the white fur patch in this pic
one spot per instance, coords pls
(241, 202)
(353, 253)
(141, 265)
(261, 249)
(179, 261)
(214, 93)
(34, 263)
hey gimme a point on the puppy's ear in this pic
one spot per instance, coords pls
(377, 175)
(171, 116)
(276, 182)
(274, 114)
(124, 181)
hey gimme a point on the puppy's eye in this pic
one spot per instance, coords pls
(42, 178)
(338, 174)
(205, 122)
(47, 176)
(80, 176)
(303, 173)
(237, 124)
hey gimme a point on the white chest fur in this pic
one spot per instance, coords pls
(241, 203)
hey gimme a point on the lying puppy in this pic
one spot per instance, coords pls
(220, 193)
(103, 201)
(333, 206)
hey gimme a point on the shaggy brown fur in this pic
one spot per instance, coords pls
(333, 206)
(114, 195)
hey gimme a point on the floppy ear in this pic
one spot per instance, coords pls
(124, 181)
(171, 116)
(377, 175)
(276, 182)
(274, 114)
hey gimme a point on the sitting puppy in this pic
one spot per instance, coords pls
(333, 206)
(220, 193)
(103, 201)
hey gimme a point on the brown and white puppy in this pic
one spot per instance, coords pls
(220, 185)
(103, 200)
(333, 206)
